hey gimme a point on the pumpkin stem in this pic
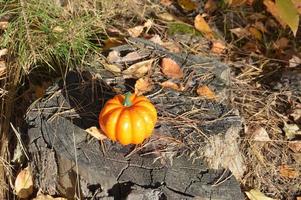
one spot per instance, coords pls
(127, 101)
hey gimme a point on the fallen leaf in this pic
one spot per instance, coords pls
(166, 17)
(288, 172)
(24, 183)
(272, 8)
(258, 133)
(281, 43)
(95, 132)
(172, 46)
(3, 25)
(171, 68)
(252, 46)
(112, 42)
(291, 130)
(294, 61)
(156, 39)
(240, 32)
(143, 85)
(3, 52)
(201, 25)
(135, 31)
(172, 85)
(288, 13)
(298, 198)
(139, 69)
(205, 91)
(112, 67)
(255, 33)
(297, 4)
(188, 5)
(114, 56)
(48, 197)
(138, 30)
(295, 146)
(166, 2)
(218, 47)
(210, 6)
(255, 194)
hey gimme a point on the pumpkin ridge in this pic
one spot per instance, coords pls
(148, 109)
(143, 121)
(110, 112)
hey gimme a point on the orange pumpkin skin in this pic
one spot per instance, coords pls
(128, 124)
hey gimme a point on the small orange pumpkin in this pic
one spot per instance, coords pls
(128, 119)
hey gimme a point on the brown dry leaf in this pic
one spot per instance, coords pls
(298, 198)
(240, 32)
(188, 5)
(112, 67)
(166, 2)
(295, 146)
(210, 6)
(288, 172)
(294, 61)
(95, 132)
(255, 33)
(172, 46)
(201, 25)
(3, 52)
(218, 47)
(255, 194)
(205, 91)
(24, 183)
(114, 56)
(112, 42)
(135, 31)
(272, 8)
(139, 69)
(39, 91)
(156, 39)
(252, 46)
(143, 85)
(171, 68)
(3, 25)
(172, 85)
(47, 197)
(281, 43)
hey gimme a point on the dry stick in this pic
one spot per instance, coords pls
(27, 33)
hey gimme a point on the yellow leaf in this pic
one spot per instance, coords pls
(288, 13)
(187, 5)
(48, 197)
(201, 25)
(24, 183)
(272, 8)
(255, 194)
(297, 4)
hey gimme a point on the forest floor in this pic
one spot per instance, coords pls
(41, 40)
